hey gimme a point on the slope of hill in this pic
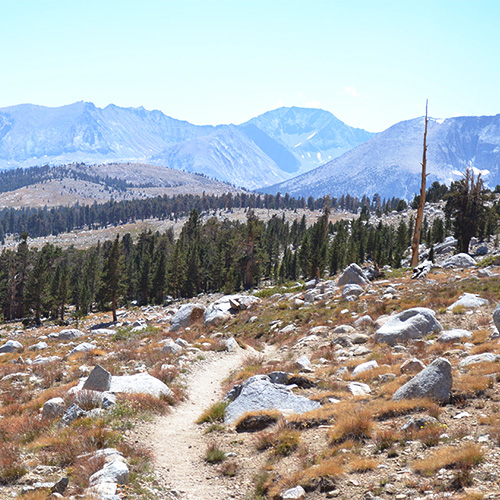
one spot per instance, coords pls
(261, 152)
(389, 164)
(313, 136)
(85, 184)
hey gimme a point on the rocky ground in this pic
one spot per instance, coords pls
(317, 367)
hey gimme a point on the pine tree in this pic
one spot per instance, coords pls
(112, 281)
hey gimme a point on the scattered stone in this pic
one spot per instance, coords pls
(11, 346)
(186, 315)
(359, 389)
(40, 346)
(364, 367)
(351, 292)
(53, 408)
(140, 383)
(259, 393)
(469, 301)
(413, 323)
(416, 423)
(448, 245)
(70, 334)
(353, 275)
(83, 347)
(231, 344)
(364, 322)
(297, 493)
(344, 328)
(171, 347)
(485, 357)
(72, 413)
(39, 360)
(98, 380)
(455, 335)
(433, 382)
(304, 364)
(114, 472)
(60, 486)
(461, 260)
(412, 366)
(496, 316)
(256, 423)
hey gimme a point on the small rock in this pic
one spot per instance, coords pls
(363, 367)
(98, 380)
(412, 366)
(358, 389)
(11, 346)
(296, 493)
(53, 408)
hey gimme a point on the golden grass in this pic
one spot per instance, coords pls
(492, 346)
(331, 468)
(282, 441)
(470, 385)
(313, 418)
(354, 423)
(451, 457)
(362, 464)
(384, 409)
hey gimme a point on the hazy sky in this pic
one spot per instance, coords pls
(371, 63)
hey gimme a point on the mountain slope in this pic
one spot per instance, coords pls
(86, 184)
(252, 155)
(390, 162)
(313, 136)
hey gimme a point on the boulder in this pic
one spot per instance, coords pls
(364, 367)
(82, 348)
(259, 393)
(413, 365)
(447, 246)
(413, 323)
(485, 357)
(358, 389)
(39, 346)
(186, 315)
(171, 347)
(70, 334)
(469, 301)
(461, 260)
(433, 382)
(231, 344)
(353, 275)
(72, 413)
(113, 472)
(454, 335)
(98, 380)
(53, 408)
(103, 331)
(11, 346)
(422, 270)
(351, 292)
(140, 383)
(364, 322)
(304, 364)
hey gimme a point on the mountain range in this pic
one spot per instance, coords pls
(265, 150)
(390, 162)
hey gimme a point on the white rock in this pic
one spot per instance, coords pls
(469, 301)
(11, 346)
(359, 389)
(297, 493)
(364, 367)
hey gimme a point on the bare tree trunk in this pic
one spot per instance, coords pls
(420, 211)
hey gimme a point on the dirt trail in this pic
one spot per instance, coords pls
(177, 441)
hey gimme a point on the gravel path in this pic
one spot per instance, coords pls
(178, 443)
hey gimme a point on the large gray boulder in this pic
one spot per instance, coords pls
(11, 346)
(353, 275)
(461, 260)
(98, 380)
(186, 316)
(140, 383)
(469, 301)
(259, 393)
(413, 323)
(433, 382)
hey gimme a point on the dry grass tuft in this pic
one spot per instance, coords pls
(282, 441)
(451, 457)
(384, 409)
(354, 423)
(362, 464)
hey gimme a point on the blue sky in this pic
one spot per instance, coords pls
(371, 63)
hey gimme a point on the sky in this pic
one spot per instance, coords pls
(371, 63)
